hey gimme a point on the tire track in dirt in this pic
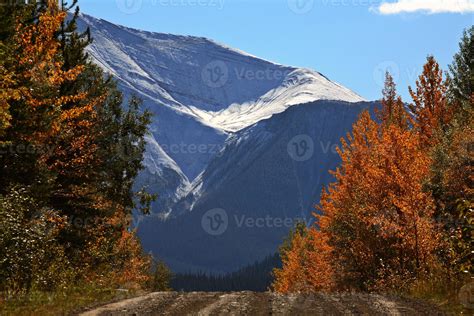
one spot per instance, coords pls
(190, 304)
(256, 304)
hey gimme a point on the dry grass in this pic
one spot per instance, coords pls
(65, 302)
(441, 291)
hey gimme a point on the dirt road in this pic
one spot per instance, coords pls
(249, 303)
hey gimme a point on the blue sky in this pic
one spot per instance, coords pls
(350, 41)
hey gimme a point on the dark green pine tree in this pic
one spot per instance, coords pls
(10, 11)
(461, 71)
(89, 194)
(18, 159)
(8, 14)
(117, 134)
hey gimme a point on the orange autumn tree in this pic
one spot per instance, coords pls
(377, 214)
(430, 104)
(6, 82)
(84, 152)
(445, 126)
(375, 225)
(32, 75)
(41, 74)
(38, 76)
(453, 161)
(30, 116)
(307, 265)
(97, 156)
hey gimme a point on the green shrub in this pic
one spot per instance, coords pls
(30, 256)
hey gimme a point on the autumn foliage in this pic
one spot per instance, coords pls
(36, 77)
(430, 106)
(307, 251)
(69, 153)
(378, 225)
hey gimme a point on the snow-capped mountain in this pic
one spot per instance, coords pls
(221, 87)
(227, 134)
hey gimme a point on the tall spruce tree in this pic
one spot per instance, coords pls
(84, 147)
(100, 150)
(461, 71)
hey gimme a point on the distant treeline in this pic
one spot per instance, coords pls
(256, 277)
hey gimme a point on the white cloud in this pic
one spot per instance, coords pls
(426, 6)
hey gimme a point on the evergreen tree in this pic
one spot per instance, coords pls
(31, 96)
(70, 144)
(256, 277)
(461, 71)
(31, 74)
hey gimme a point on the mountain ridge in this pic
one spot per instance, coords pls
(225, 124)
(247, 80)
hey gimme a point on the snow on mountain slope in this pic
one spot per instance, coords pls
(155, 158)
(222, 87)
(155, 68)
(161, 176)
(200, 91)
(299, 86)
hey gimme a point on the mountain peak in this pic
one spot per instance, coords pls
(219, 86)
(224, 128)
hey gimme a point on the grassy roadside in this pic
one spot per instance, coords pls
(442, 293)
(66, 302)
